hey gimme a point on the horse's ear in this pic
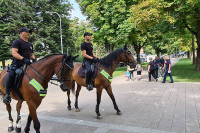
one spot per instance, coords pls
(125, 47)
(73, 58)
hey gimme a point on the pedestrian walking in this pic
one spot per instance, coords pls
(139, 70)
(130, 69)
(127, 75)
(161, 65)
(151, 69)
(168, 68)
(156, 62)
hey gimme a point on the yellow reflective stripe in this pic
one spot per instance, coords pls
(37, 86)
(106, 75)
(43, 95)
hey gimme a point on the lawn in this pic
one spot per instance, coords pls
(184, 71)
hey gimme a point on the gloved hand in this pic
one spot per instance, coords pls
(95, 59)
(26, 61)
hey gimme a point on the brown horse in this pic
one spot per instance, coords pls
(108, 64)
(41, 71)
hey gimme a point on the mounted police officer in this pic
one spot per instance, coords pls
(89, 58)
(22, 52)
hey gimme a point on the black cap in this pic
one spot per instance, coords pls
(25, 30)
(87, 34)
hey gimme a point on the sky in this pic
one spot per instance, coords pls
(76, 11)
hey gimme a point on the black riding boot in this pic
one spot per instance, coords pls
(89, 85)
(7, 98)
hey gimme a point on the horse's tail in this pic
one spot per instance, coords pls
(73, 88)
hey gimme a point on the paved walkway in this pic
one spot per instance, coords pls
(147, 107)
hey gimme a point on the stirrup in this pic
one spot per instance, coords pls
(7, 99)
(89, 87)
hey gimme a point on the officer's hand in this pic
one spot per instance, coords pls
(95, 60)
(26, 61)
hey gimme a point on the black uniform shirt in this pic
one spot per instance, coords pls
(24, 48)
(88, 47)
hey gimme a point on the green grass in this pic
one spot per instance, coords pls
(119, 71)
(184, 71)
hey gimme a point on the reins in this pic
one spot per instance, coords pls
(62, 69)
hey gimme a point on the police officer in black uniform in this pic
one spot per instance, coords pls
(22, 52)
(89, 58)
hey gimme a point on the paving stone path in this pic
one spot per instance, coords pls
(147, 107)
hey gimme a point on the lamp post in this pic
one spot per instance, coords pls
(60, 29)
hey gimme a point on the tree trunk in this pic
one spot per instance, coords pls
(137, 48)
(198, 44)
(138, 55)
(188, 55)
(193, 50)
(108, 47)
(3, 64)
(158, 52)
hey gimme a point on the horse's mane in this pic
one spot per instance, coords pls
(107, 61)
(47, 56)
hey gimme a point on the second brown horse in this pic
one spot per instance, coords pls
(109, 63)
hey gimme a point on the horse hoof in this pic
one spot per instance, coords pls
(18, 130)
(78, 110)
(10, 129)
(119, 113)
(99, 117)
(69, 108)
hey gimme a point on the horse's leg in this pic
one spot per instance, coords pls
(69, 101)
(77, 94)
(109, 91)
(18, 122)
(10, 127)
(99, 92)
(27, 128)
(33, 115)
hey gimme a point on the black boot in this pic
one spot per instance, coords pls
(89, 86)
(7, 98)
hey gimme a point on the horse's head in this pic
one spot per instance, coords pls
(65, 74)
(127, 57)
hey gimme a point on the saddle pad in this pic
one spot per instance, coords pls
(82, 74)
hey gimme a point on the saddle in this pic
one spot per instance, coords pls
(18, 80)
(82, 71)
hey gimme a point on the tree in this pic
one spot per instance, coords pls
(32, 14)
(110, 19)
(182, 14)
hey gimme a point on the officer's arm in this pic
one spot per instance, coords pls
(94, 54)
(85, 55)
(16, 54)
(32, 56)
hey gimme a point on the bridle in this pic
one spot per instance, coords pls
(126, 56)
(61, 70)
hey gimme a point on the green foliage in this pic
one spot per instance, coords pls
(31, 14)
(110, 19)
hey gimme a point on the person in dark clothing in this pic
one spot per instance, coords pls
(162, 62)
(151, 69)
(161, 65)
(89, 58)
(167, 70)
(156, 61)
(22, 52)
